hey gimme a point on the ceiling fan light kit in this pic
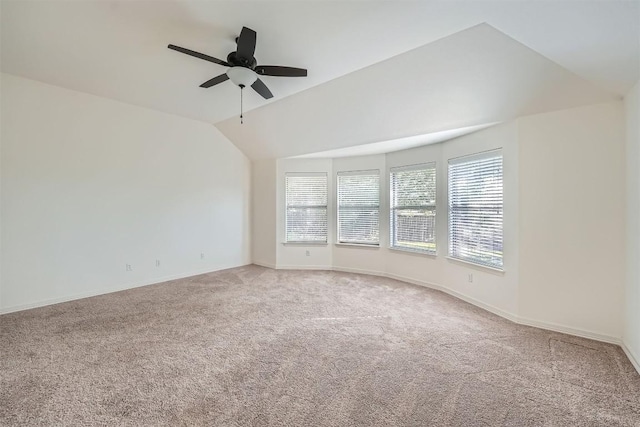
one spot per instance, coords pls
(241, 76)
(243, 69)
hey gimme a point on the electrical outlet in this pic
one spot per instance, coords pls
(202, 255)
(471, 278)
(129, 267)
(308, 253)
(157, 263)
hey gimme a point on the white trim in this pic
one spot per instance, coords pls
(360, 245)
(550, 326)
(413, 167)
(338, 228)
(511, 316)
(393, 210)
(482, 155)
(287, 206)
(488, 307)
(51, 301)
(413, 251)
(305, 174)
(304, 243)
(495, 310)
(635, 361)
(359, 271)
(365, 172)
(303, 267)
(264, 264)
(478, 266)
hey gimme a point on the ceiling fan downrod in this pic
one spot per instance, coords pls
(243, 67)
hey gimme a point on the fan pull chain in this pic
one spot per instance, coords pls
(241, 107)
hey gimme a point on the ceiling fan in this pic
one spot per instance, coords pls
(244, 69)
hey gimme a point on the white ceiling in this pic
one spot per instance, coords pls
(382, 147)
(117, 49)
(472, 77)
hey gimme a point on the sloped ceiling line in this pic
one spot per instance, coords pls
(473, 77)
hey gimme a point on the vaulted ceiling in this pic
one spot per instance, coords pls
(378, 71)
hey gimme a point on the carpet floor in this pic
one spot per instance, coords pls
(252, 346)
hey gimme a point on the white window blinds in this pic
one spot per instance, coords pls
(359, 207)
(475, 209)
(306, 218)
(413, 208)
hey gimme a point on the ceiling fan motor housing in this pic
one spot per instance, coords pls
(238, 61)
(243, 67)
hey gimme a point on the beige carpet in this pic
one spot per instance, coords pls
(252, 346)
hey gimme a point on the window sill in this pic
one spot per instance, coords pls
(359, 245)
(304, 244)
(413, 252)
(477, 266)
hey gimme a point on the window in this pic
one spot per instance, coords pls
(359, 207)
(475, 209)
(413, 208)
(306, 219)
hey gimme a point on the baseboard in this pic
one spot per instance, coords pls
(569, 330)
(359, 271)
(303, 267)
(67, 298)
(495, 310)
(264, 264)
(635, 361)
(488, 307)
(511, 316)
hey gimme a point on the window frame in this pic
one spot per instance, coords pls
(366, 172)
(476, 157)
(430, 207)
(319, 207)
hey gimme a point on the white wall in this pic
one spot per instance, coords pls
(495, 290)
(263, 212)
(572, 213)
(498, 290)
(1, 126)
(90, 185)
(554, 276)
(631, 337)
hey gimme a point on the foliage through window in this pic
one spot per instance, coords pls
(306, 217)
(413, 208)
(476, 209)
(359, 207)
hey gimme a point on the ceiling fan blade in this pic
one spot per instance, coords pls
(199, 55)
(214, 81)
(246, 43)
(262, 89)
(278, 71)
